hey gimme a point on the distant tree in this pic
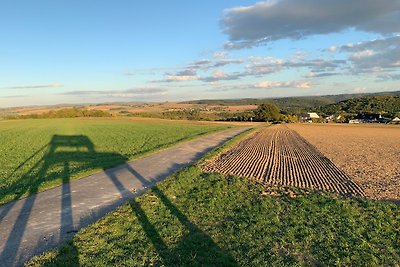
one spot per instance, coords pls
(267, 112)
(366, 105)
(289, 118)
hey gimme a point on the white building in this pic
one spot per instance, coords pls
(313, 115)
(309, 116)
(395, 120)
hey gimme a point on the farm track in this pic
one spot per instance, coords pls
(42, 221)
(279, 156)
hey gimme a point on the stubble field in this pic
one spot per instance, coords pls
(369, 154)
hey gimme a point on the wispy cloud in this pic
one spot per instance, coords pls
(254, 67)
(132, 92)
(80, 93)
(185, 75)
(261, 66)
(322, 74)
(14, 96)
(283, 84)
(300, 84)
(388, 77)
(223, 62)
(220, 75)
(220, 54)
(36, 86)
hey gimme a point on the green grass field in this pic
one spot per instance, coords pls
(43, 153)
(200, 219)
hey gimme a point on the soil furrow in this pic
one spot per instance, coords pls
(279, 156)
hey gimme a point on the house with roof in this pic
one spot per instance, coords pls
(309, 117)
(395, 121)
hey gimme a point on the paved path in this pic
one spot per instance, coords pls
(40, 222)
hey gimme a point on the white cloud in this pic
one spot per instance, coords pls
(268, 65)
(264, 65)
(219, 74)
(202, 62)
(299, 55)
(185, 75)
(179, 78)
(362, 54)
(283, 84)
(359, 90)
(374, 56)
(321, 74)
(332, 48)
(221, 54)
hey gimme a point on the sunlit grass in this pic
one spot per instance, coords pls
(39, 154)
(200, 219)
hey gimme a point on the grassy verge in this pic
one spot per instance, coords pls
(44, 153)
(201, 219)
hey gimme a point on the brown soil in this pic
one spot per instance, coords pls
(278, 156)
(241, 108)
(369, 154)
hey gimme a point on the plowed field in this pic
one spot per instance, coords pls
(279, 156)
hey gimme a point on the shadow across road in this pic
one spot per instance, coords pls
(42, 221)
(62, 152)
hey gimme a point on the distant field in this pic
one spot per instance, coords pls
(39, 154)
(131, 108)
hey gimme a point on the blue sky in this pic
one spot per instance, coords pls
(106, 51)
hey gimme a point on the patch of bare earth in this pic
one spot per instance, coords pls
(369, 154)
(240, 108)
(279, 156)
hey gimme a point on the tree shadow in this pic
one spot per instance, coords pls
(63, 152)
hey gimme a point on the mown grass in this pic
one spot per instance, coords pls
(43, 153)
(201, 219)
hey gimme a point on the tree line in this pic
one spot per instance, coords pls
(67, 113)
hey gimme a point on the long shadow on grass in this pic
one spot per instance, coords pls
(72, 154)
(62, 152)
(196, 248)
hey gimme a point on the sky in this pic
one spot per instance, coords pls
(58, 52)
